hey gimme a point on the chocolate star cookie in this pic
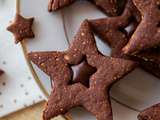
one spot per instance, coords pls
(149, 60)
(110, 7)
(112, 30)
(21, 28)
(152, 113)
(66, 96)
(147, 34)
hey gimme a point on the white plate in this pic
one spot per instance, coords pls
(135, 92)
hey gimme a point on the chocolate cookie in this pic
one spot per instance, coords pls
(149, 60)
(58, 4)
(118, 43)
(112, 30)
(1, 72)
(152, 113)
(151, 55)
(110, 7)
(150, 67)
(147, 34)
(66, 96)
(82, 73)
(21, 28)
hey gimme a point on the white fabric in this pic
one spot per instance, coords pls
(17, 86)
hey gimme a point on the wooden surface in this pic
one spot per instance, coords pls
(31, 113)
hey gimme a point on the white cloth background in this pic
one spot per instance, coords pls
(17, 86)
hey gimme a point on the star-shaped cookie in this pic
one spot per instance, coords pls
(108, 30)
(65, 96)
(147, 34)
(152, 113)
(112, 30)
(110, 7)
(116, 39)
(21, 28)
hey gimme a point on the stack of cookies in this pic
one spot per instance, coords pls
(136, 47)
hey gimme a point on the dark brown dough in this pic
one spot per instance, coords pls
(152, 113)
(1, 72)
(110, 7)
(149, 60)
(65, 96)
(147, 34)
(112, 31)
(21, 28)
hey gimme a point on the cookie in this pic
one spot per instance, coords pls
(65, 96)
(110, 7)
(152, 113)
(149, 60)
(150, 55)
(151, 67)
(84, 70)
(115, 37)
(58, 4)
(1, 72)
(21, 28)
(112, 30)
(147, 34)
(108, 30)
(82, 73)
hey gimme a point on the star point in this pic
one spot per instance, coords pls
(146, 35)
